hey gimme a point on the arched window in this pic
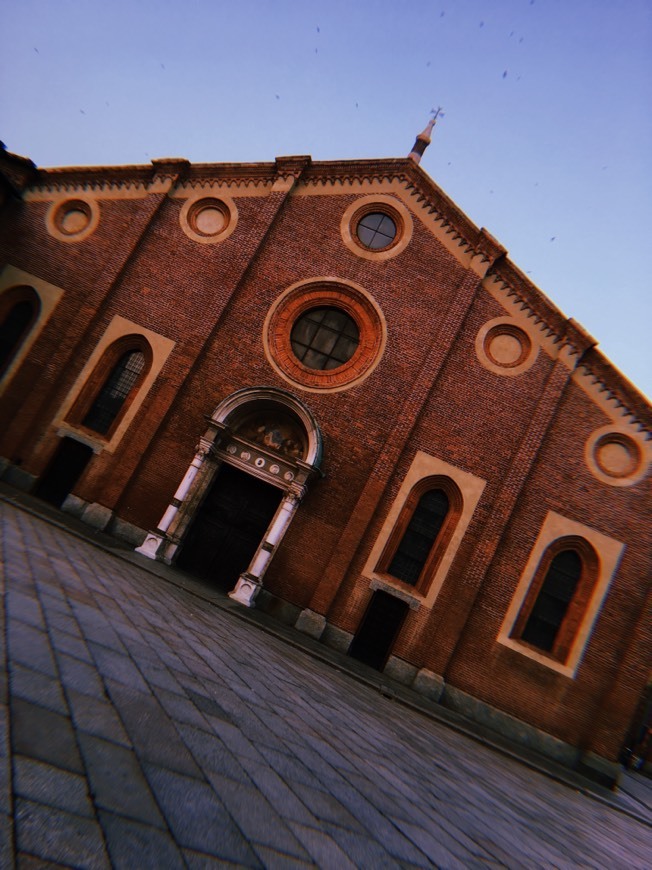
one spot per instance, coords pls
(559, 593)
(115, 392)
(113, 385)
(19, 310)
(422, 532)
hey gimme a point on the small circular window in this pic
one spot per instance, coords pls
(206, 219)
(72, 220)
(376, 227)
(376, 230)
(73, 217)
(324, 338)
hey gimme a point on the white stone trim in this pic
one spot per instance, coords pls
(609, 552)
(49, 295)
(471, 488)
(119, 327)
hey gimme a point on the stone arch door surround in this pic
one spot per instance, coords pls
(265, 432)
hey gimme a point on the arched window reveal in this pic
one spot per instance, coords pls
(551, 605)
(420, 535)
(17, 316)
(117, 388)
(422, 532)
(558, 596)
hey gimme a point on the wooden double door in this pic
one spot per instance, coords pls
(229, 527)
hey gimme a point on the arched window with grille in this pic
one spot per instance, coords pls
(422, 532)
(19, 311)
(555, 604)
(115, 391)
(113, 385)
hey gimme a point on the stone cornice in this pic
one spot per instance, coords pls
(474, 248)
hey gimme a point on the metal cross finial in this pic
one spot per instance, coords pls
(438, 113)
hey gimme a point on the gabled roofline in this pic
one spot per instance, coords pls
(475, 241)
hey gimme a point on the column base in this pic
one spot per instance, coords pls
(245, 590)
(150, 546)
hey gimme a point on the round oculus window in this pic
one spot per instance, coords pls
(208, 217)
(376, 230)
(72, 220)
(324, 338)
(324, 335)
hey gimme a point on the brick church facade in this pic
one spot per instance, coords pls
(322, 389)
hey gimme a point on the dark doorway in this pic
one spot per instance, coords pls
(63, 472)
(380, 625)
(229, 527)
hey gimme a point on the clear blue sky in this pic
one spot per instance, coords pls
(546, 139)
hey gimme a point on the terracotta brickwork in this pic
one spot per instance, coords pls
(460, 361)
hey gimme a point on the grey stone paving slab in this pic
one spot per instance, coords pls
(322, 848)
(284, 760)
(70, 644)
(38, 688)
(117, 781)
(325, 807)
(80, 676)
(46, 784)
(159, 676)
(277, 792)
(211, 753)
(6, 840)
(118, 667)
(134, 845)
(197, 818)
(254, 815)
(61, 621)
(362, 849)
(57, 836)
(273, 859)
(151, 731)
(30, 646)
(207, 704)
(44, 735)
(23, 607)
(96, 716)
(181, 709)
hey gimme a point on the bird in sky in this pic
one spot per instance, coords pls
(505, 74)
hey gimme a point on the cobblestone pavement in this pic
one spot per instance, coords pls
(144, 727)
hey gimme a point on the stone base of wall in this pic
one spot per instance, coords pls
(16, 476)
(311, 623)
(510, 727)
(337, 638)
(128, 532)
(278, 608)
(400, 670)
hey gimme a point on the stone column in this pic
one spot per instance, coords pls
(153, 544)
(250, 582)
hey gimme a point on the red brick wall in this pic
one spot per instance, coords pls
(429, 392)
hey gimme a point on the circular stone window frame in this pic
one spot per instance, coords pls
(322, 292)
(614, 434)
(505, 326)
(388, 205)
(194, 205)
(60, 207)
